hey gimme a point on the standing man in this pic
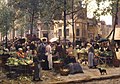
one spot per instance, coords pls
(41, 54)
(59, 50)
(49, 55)
(37, 67)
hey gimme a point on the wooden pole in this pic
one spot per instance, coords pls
(65, 25)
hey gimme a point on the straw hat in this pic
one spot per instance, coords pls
(70, 54)
(20, 49)
(89, 44)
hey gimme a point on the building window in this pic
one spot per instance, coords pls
(60, 32)
(90, 35)
(45, 34)
(67, 24)
(60, 25)
(67, 32)
(77, 25)
(77, 32)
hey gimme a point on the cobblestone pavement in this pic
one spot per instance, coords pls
(108, 81)
(49, 77)
(88, 73)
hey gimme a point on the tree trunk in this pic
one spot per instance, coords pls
(13, 34)
(73, 24)
(113, 42)
(65, 25)
(13, 31)
(6, 43)
(32, 23)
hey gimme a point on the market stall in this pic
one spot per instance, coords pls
(104, 54)
(3, 58)
(82, 55)
(19, 65)
(103, 57)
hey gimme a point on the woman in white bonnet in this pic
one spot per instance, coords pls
(20, 53)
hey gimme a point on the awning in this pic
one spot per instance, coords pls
(117, 34)
(53, 39)
(103, 40)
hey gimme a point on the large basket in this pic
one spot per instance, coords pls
(64, 72)
(57, 65)
(116, 63)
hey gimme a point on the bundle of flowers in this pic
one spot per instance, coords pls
(83, 51)
(97, 52)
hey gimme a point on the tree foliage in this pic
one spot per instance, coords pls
(105, 7)
(26, 13)
(5, 18)
(44, 10)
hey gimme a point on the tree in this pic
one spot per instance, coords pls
(36, 9)
(29, 7)
(5, 19)
(113, 10)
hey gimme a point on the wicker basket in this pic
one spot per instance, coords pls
(64, 72)
(57, 65)
(116, 63)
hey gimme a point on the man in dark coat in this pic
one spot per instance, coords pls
(37, 67)
(41, 54)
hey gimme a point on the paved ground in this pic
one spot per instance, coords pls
(87, 75)
(49, 77)
(90, 76)
(108, 81)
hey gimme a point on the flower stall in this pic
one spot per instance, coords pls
(82, 54)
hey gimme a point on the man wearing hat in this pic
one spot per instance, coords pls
(41, 54)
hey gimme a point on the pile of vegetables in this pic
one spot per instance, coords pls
(106, 53)
(83, 51)
(1, 52)
(97, 52)
(15, 61)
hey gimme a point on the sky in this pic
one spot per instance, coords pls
(92, 7)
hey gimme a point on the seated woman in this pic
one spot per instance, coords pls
(20, 53)
(72, 64)
(70, 58)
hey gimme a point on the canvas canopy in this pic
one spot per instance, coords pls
(117, 34)
(54, 39)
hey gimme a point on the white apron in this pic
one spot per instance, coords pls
(48, 49)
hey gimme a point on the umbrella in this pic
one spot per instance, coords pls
(35, 39)
(53, 39)
(103, 40)
(22, 40)
(66, 40)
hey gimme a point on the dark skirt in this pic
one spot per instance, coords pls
(44, 61)
(37, 71)
(75, 68)
(95, 61)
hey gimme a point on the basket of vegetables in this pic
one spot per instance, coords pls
(64, 71)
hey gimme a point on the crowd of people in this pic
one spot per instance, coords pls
(44, 52)
(41, 51)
